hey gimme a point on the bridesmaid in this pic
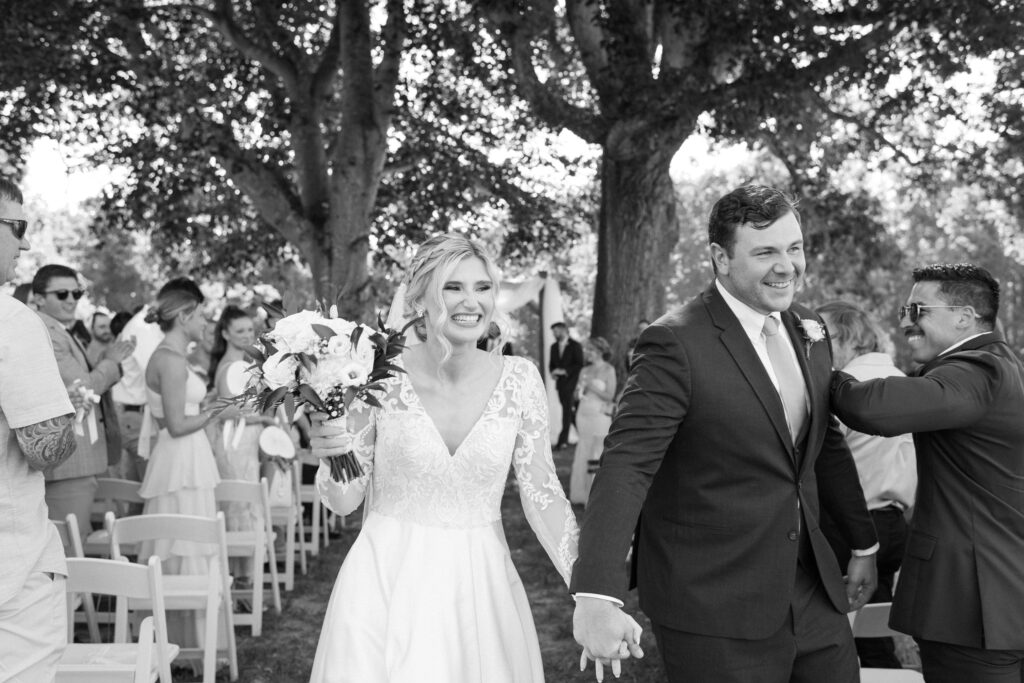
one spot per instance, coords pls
(241, 452)
(596, 390)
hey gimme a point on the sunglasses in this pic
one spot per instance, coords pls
(62, 294)
(915, 311)
(18, 227)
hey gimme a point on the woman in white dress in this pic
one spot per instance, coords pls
(596, 390)
(428, 590)
(181, 474)
(239, 452)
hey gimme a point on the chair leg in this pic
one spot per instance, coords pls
(315, 532)
(257, 592)
(275, 588)
(289, 553)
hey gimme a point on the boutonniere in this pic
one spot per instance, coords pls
(813, 331)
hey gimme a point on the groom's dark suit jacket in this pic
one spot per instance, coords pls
(962, 580)
(700, 444)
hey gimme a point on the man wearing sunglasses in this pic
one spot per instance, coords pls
(36, 421)
(962, 584)
(71, 487)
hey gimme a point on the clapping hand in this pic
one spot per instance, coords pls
(119, 350)
(608, 635)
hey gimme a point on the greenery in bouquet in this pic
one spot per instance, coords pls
(323, 362)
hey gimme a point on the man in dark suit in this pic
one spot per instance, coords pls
(961, 589)
(565, 365)
(71, 486)
(724, 441)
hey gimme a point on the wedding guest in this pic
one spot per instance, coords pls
(71, 486)
(431, 570)
(596, 391)
(101, 334)
(565, 363)
(886, 465)
(724, 441)
(181, 474)
(234, 334)
(129, 393)
(961, 584)
(36, 434)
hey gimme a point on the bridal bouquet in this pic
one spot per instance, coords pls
(325, 362)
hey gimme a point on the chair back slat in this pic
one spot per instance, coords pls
(151, 527)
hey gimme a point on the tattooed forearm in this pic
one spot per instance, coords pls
(48, 443)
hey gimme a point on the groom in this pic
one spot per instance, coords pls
(724, 442)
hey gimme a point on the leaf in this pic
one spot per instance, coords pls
(306, 393)
(274, 398)
(269, 346)
(257, 355)
(289, 407)
(323, 331)
(356, 334)
(273, 310)
(372, 400)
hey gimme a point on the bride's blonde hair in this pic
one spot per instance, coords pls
(430, 268)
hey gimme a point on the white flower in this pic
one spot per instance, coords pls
(295, 332)
(279, 371)
(354, 374)
(813, 330)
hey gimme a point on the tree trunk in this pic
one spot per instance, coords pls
(637, 232)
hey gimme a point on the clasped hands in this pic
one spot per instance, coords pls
(608, 635)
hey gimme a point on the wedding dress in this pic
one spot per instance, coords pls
(428, 591)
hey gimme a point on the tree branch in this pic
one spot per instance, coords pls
(330, 61)
(266, 187)
(223, 20)
(386, 77)
(864, 127)
(584, 17)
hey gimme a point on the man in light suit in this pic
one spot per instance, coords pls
(724, 441)
(71, 486)
(961, 589)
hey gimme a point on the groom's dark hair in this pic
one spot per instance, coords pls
(755, 205)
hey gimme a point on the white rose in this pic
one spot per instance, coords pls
(353, 374)
(341, 346)
(279, 371)
(295, 332)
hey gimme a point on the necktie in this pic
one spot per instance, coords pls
(791, 381)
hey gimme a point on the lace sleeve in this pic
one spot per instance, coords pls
(547, 509)
(343, 498)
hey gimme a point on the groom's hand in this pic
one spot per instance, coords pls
(861, 580)
(606, 633)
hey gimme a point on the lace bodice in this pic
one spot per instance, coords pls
(413, 477)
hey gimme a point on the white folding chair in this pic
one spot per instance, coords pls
(71, 539)
(320, 516)
(147, 660)
(890, 676)
(117, 496)
(208, 593)
(289, 517)
(256, 544)
(872, 621)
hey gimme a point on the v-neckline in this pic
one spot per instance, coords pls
(479, 418)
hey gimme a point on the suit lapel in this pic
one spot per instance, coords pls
(737, 343)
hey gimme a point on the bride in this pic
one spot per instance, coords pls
(428, 590)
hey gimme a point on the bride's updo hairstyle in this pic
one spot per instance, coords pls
(430, 268)
(180, 295)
